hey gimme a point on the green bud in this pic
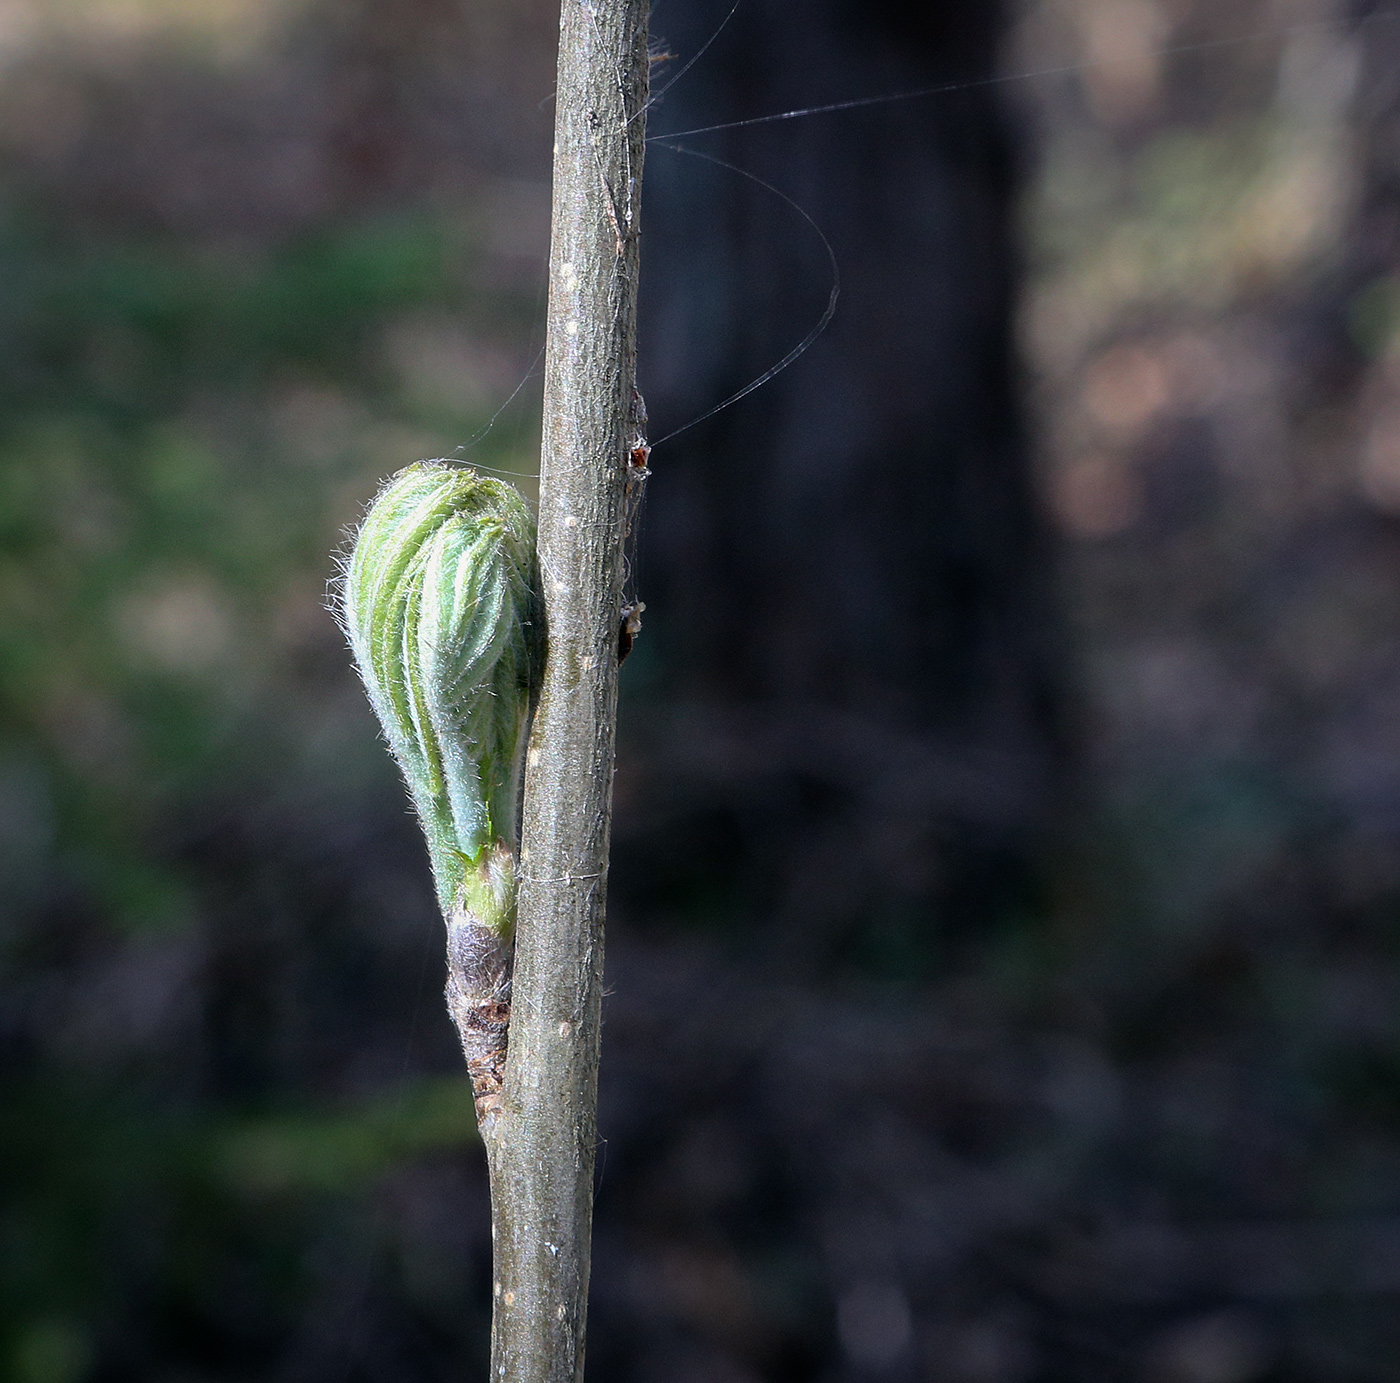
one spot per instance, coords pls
(439, 601)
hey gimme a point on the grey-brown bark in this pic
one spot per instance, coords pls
(541, 1142)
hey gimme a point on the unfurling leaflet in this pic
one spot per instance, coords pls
(440, 604)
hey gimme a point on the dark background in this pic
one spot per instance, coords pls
(1002, 955)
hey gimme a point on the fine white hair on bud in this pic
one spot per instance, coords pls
(439, 601)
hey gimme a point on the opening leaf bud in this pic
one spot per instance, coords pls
(440, 604)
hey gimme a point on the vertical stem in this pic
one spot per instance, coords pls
(541, 1145)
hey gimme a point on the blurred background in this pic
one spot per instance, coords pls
(1003, 965)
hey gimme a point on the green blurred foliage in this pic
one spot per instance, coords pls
(185, 429)
(104, 1188)
(181, 429)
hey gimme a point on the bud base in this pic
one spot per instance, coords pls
(478, 999)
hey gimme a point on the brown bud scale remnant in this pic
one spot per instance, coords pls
(478, 998)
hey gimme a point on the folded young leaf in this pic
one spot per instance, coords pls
(439, 602)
